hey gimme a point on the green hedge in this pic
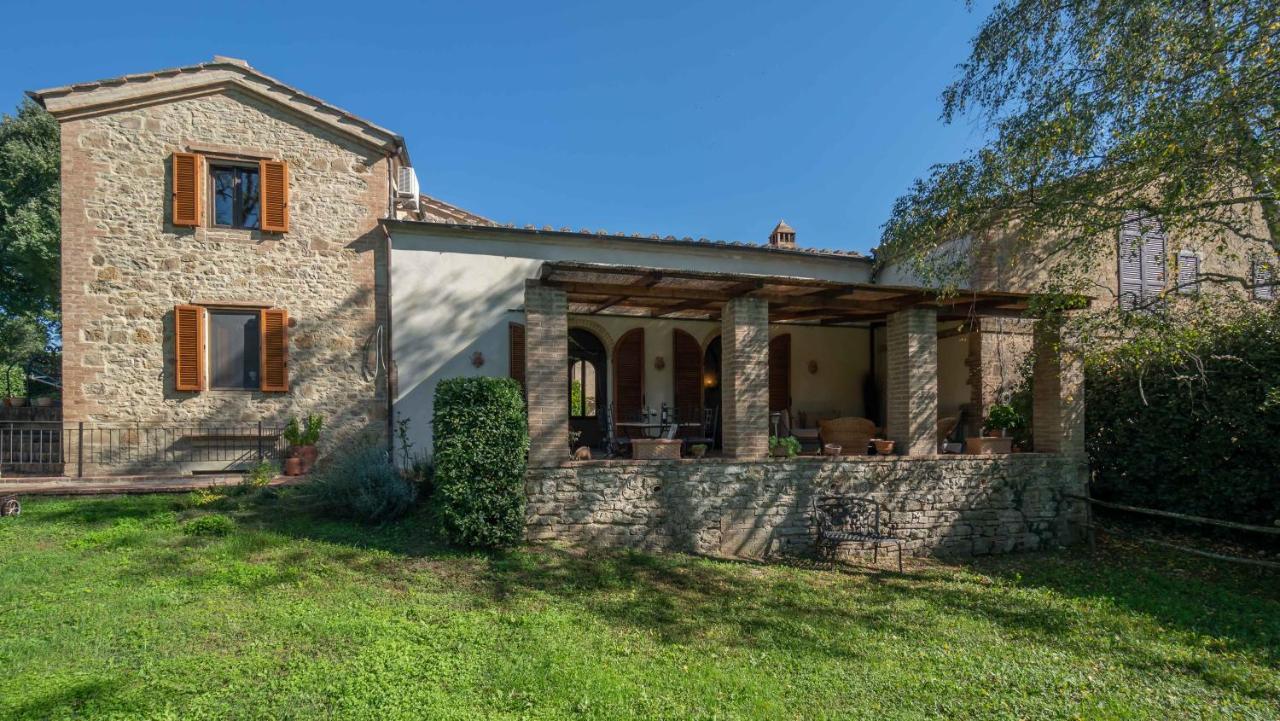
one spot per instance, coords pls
(481, 439)
(1189, 420)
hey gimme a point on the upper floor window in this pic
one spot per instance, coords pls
(1262, 272)
(236, 192)
(1141, 260)
(229, 193)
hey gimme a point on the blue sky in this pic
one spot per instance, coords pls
(707, 119)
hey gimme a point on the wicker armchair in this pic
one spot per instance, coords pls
(851, 433)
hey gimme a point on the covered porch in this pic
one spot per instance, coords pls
(734, 358)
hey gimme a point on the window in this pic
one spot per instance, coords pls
(234, 352)
(230, 348)
(236, 193)
(1141, 261)
(1263, 276)
(1188, 273)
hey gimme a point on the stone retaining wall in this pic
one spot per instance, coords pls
(944, 505)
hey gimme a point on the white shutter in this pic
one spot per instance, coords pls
(1188, 273)
(1153, 259)
(1263, 273)
(1130, 262)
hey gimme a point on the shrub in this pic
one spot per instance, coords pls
(1187, 420)
(362, 484)
(305, 432)
(214, 524)
(261, 474)
(789, 444)
(480, 444)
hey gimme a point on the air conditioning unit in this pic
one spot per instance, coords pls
(407, 187)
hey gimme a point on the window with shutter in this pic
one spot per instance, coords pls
(274, 188)
(515, 352)
(188, 348)
(628, 375)
(274, 325)
(1141, 261)
(1188, 273)
(780, 373)
(185, 207)
(1263, 273)
(686, 371)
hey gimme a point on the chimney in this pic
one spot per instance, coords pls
(783, 236)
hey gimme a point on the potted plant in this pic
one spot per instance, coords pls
(1001, 419)
(884, 446)
(698, 450)
(784, 447)
(301, 437)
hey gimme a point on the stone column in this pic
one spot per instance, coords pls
(1057, 405)
(546, 373)
(744, 370)
(912, 393)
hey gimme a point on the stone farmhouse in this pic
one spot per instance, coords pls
(237, 252)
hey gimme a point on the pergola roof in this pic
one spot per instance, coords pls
(699, 295)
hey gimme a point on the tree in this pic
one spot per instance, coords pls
(21, 338)
(29, 213)
(1097, 109)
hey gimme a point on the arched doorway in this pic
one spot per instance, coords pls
(711, 383)
(588, 376)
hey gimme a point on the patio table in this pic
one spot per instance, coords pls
(651, 430)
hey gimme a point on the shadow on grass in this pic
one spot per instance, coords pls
(817, 610)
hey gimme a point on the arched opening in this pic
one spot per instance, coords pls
(587, 383)
(711, 385)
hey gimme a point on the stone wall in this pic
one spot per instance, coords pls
(125, 266)
(943, 505)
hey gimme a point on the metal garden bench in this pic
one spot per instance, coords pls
(851, 520)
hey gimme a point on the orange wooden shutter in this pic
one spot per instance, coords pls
(273, 193)
(186, 190)
(188, 348)
(628, 376)
(274, 324)
(515, 337)
(780, 373)
(686, 371)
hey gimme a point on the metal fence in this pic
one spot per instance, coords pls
(79, 449)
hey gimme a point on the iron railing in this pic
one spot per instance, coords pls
(83, 448)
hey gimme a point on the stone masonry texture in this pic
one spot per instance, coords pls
(124, 266)
(912, 393)
(942, 505)
(745, 378)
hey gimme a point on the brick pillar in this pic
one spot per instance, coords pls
(744, 370)
(912, 393)
(1057, 406)
(546, 325)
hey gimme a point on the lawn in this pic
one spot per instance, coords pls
(141, 607)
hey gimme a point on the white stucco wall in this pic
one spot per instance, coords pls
(453, 294)
(953, 373)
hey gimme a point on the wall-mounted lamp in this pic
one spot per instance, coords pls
(477, 359)
(659, 363)
(709, 380)
(813, 367)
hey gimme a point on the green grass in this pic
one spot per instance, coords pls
(118, 608)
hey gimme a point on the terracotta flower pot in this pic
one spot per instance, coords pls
(293, 466)
(883, 447)
(306, 455)
(832, 449)
(697, 451)
(16, 402)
